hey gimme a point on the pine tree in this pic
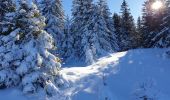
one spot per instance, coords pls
(87, 49)
(100, 34)
(81, 12)
(7, 9)
(162, 38)
(67, 44)
(93, 35)
(104, 12)
(76, 26)
(117, 27)
(77, 13)
(82, 28)
(128, 30)
(139, 32)
(147, 23)
(52, 10)
(151, 23)
(139, 25)
(24, 57)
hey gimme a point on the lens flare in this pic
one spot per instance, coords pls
(157, 5)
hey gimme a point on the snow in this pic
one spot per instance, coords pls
(11, 94)
(130, 75)
(119, 77)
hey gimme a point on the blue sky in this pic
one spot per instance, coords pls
(114, 5)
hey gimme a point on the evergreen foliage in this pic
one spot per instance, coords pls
(128, 32)
(24, 57)
(53, 12)
(68, 40)
(151, 23)
(7, 9)
(94, 35)
(162, 38)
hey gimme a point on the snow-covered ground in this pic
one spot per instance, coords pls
(120, 76)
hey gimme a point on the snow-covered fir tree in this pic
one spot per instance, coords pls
(139, 25)
(117, 27)
(24, 57)
(103, 39)
(67, 42)
(94, 34)
(139, 32)
(7, 9)
(86, 50)
(128, 31)
(151, 23)
(53, 11)
(147, 22)
(109, 28)
(81, 12)
(82, 18)
(99, 39)
(104, 12)
(162, 38)
(77, 25)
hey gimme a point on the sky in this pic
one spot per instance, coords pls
(114, 5)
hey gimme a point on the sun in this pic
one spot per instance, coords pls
(157, 5)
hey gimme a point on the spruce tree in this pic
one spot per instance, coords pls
(24, 57)
(99, 38)
(162, 38)
(104, 12)
(77, 13)
(77, 25)
(128, 30)
(139, 25)
(67, 44)
(82, 28)
(86, 49)
(117, 27)
(93, 35)
(151, 23)
(54, 14)
(139, 32)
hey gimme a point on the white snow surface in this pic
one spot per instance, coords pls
(120, 76)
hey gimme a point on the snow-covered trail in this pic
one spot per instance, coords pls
(90, 81)
(120, 75)
(92, 69)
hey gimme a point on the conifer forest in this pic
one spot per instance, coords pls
(92, 52)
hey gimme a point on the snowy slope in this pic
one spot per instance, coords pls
(120, 76)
